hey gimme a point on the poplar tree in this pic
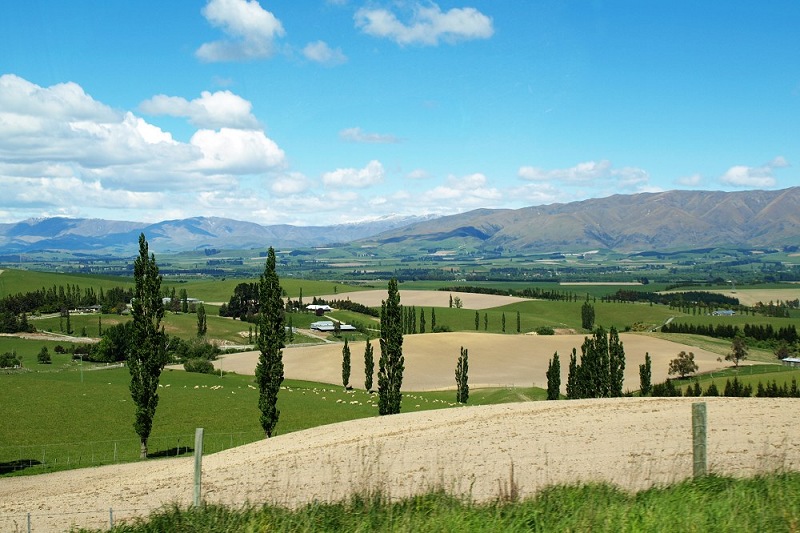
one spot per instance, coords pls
(345, 364)
(616, 363)
(147, 356)
(645, 376)
(573, 391)
(422, 320)
(477, 320)
(462, 376)
(391, 363)
(553, 378)
(369, 366)
(270, 339)
(202, 325)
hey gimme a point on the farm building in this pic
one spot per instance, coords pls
(328, 325)
(724, 312)
(791, 361)
(319, 307)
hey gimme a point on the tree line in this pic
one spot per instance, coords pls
(758, 332)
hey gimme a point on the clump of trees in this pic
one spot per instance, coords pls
(601, 369)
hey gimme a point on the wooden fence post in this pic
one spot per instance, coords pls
(198, 464)
(699, 439)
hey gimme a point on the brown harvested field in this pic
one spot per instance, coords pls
(753, 296)
(427, 298)
(494, 359)
(634, 443)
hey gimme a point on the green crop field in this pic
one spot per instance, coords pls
(65, 417)
(747, 375)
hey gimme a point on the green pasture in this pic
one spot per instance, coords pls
(714, 345)
(16, 281)
(736, 320)
(73, 418)
(746, 374)
(221, 290)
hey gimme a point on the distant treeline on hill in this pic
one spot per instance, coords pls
(59, 297)
(759, 332)
(675, 299)
(535, 292)
(348, 305)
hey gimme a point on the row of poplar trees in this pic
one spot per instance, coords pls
(148, 349)
(600, 372)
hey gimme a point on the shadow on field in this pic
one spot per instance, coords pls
(19, 464)
(171, 452)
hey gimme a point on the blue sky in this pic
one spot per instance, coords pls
(327, 111)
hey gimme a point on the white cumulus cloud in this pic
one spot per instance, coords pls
(251, 31)
(211, 110)
(372, 174)
(237, 151)
(594, 173)
(320, 52)
(428, 25)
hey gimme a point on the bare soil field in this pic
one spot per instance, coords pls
(634, 443)
(753, 296)
(426, 298)
(494, 359)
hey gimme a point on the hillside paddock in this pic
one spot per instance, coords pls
(494, 359)
(480, 453)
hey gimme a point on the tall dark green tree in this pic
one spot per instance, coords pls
(646, 376)
(202, 325)
(553, 378)
(573, 391)
(587, 315)
(477, 320)
(433, 320)
(346, 364)
(616, 363)
(270, 339)
(147, 354)
(391, 363)
(503, 322)
(462, 376)
(369, 366)
(519, 323)
(422, 320)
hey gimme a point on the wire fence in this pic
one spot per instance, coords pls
(658, 449)
(41, 458)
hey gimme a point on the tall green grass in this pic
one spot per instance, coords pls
(709, 504)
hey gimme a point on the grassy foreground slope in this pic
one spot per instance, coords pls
(713, 504)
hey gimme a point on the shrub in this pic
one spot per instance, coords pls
(44, 356)
(545, 330)
(201, 366)
(9, 360)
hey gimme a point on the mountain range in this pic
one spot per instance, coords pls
(671, 220)
(640, 222)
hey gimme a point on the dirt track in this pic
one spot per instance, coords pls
(634, 443)
(494, 359)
